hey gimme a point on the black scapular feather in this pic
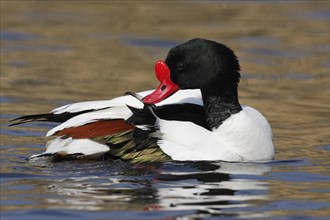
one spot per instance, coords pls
(51, 117)
(175, 112)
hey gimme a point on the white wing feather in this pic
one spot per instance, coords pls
(116, 108)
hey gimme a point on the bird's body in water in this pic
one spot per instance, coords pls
(194, 114)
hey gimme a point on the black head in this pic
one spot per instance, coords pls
(199, 63)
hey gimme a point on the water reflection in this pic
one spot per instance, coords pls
(210, 187)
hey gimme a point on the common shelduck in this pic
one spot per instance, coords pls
(194, 114)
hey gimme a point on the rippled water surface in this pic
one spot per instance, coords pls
(57, 52)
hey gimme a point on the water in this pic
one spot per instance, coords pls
(54, 53)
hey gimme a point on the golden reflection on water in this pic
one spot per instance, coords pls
(77, 51)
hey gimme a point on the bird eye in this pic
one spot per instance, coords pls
(180, 66)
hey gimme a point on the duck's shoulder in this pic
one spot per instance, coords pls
(255, 116)
(246, 120)
(250, 114)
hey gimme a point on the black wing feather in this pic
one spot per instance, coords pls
(51, 117)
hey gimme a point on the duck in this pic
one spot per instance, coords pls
(193, 115)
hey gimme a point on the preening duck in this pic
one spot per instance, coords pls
(194, 114)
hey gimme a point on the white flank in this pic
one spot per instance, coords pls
(245, 136)
(68, 146)
(188, 141)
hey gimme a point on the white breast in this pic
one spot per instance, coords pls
(248, 134)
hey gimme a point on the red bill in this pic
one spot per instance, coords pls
(166, 87)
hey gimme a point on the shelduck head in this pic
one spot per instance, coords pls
(196, 64)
